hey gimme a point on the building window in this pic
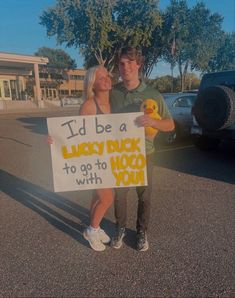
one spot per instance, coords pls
(77, 93)
(56, 76)
(49, 93)
(76, 77)
(64, 92)
(6, 89)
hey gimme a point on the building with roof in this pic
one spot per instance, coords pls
(14, 69)
(24, 77)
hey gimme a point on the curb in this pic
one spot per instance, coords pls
(36, 110)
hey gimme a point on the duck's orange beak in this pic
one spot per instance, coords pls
(148, 111)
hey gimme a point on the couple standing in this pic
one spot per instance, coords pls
(126, 96)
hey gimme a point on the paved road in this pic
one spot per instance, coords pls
(42, 250)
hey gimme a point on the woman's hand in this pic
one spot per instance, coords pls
(50, 140)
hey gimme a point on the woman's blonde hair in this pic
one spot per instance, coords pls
(89, 80)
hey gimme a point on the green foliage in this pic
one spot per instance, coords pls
(196, 32)
(205, 28)
(84, 24)
(164, 84)
(59, 63)
(58, 59)
(100, 27)
(192, 82)
(139, 22)
(136, 21)
(224, 58)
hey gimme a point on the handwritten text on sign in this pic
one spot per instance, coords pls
(102, 151)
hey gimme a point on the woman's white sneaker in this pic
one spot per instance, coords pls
(93, 237)
(103, 236)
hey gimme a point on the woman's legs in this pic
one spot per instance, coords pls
(101, 201)
(94, 201)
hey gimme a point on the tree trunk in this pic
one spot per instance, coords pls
(181, 76)
(190, 82)
(184, 76)
(172, 78)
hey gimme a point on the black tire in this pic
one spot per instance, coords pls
(214, 108)
(205, 143)
(172, 137)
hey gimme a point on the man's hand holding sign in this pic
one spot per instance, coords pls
(101, 151)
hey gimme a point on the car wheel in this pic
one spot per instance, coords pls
(214, 108)
(171, 137)
(205, 143)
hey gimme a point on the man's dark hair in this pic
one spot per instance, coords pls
(133, 53)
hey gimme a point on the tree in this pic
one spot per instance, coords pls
(191, 81)
(196, 32)
(176, 28)
(184, 37)
(87, 25)
(224, 59)
(164, 83)
(58, 59)
(169, 47)
(206, 32)
(99, 28)
(59, 63)
(153, 52)
(139, 22)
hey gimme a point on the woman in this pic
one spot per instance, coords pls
(97, 84)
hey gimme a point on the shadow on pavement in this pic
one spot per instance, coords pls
(36, 124)
(218, 164)
(37, 199)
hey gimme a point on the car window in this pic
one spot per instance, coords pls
(181, 102)
(184, 102)
(192, 99)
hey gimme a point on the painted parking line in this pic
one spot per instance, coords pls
(175, 148)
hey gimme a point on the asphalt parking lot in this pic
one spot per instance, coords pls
(43, 253)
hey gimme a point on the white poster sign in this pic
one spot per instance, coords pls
(101, 151)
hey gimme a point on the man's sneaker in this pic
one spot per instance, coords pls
(103, 236)
(117, 239)
(142, 242)
(93, 238)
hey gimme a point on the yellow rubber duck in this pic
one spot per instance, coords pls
(150, 108)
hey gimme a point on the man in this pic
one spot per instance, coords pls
(128, 96)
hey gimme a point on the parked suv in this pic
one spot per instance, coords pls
(214, 110)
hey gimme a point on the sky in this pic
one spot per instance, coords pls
(21, 33)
